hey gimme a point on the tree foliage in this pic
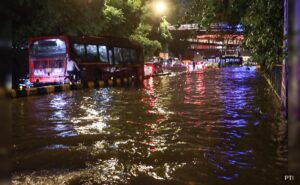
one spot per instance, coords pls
(141, 35)
(126, 18)
(262, 20)
(264, 31)
(163, 31)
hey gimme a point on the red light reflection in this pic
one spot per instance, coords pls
(196, 95)
(155, 107)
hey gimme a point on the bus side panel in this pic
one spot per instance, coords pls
(96, 72)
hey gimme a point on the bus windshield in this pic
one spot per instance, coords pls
(48, 48)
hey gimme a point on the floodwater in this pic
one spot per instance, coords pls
(221, 126)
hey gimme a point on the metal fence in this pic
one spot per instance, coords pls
(275, 77)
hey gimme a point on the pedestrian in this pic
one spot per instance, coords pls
(194, 64)
(72, 69)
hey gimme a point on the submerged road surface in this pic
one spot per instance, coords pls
(221, 126)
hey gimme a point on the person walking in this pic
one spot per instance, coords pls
(194, 65)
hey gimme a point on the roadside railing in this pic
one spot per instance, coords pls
(274, 76)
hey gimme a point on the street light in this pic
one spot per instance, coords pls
(160, 7)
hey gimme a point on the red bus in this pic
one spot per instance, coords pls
(99, 58)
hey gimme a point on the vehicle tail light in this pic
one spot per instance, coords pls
(152, 68)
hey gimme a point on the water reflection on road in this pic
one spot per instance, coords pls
(220, 126)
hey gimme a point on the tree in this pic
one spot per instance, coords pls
(141, 35)
(139, 25)
(128, 18)
(49, 17)
(262, 20)
(263, 24)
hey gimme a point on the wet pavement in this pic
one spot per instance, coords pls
(221, 126)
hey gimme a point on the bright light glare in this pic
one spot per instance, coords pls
(160, 7)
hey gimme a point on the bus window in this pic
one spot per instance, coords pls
(92, 53)
(103, 53)
(110, 56)
(134, 56)
(79, 49)
(127, 56)
(118, 55)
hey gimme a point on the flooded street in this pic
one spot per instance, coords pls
(221, 126)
